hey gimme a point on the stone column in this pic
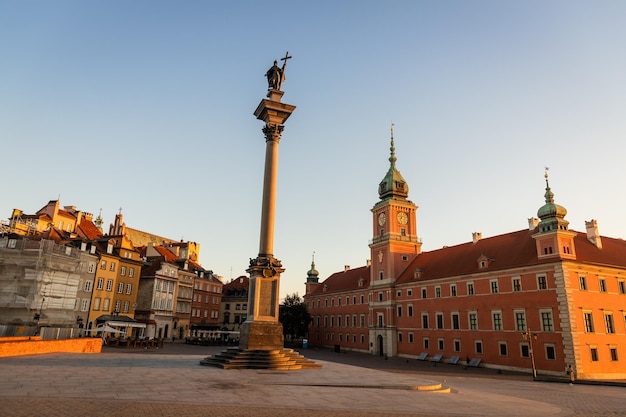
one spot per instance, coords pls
(262, 330)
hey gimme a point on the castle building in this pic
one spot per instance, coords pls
(535, 300)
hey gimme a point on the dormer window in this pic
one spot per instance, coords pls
(484, 262)
(417, 274)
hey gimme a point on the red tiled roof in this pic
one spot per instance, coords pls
(242, 282)
(506, 251)
(88, 229)
(343, 281)
(167, 254)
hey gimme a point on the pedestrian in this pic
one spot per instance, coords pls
(570, 373)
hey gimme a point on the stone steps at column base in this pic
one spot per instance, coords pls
(275, 359)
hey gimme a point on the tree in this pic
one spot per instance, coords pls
(294, 316)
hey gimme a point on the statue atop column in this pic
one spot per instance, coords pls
(276, 75)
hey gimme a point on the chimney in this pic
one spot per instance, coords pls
(476, 236)
(346, 268)
(592, 233)
(533, 222)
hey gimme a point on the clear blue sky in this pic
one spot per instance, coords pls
(147, 105)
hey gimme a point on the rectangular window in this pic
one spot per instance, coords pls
(91, 268)
(613, 352)
(437, 292)
(473, 321)
(426, 343)
(129, 288)
(96, 303)
(546, 321)
(103, 265)
(440, 344)
(120, 287)
(542, 283)
(100, 283)
(399, 311)
(109, 285)
(457, 345)
(381, 322)
(112, 267)
(126, 306)
(602, 284)
(470, 288)
(608, 320)
(520, 321)
(503, 349)
(131, 272)
(621, 286)
(399, 337)
(497, 320)
(347, 320)
(456, 325)
(439, 320)
(88, 285)
(118, 306)
(588, 322)
(494, 286)
(423, 292)
(409, 292)
(106, 304)
(478, 346)
(362, 320)
(123, 271)
(524, 351)
(594, 354)
(583, 283)
(84, 306)
(453, 290)
(517, 285)
(550, 352)
(424, 320)
(362, 299)
(410, 310)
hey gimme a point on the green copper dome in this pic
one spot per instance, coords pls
(393, 184)
(552, 215)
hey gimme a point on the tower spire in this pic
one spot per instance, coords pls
(393, 185)
(392, 149)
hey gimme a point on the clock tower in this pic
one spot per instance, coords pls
(394, 238)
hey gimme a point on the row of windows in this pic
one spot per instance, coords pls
(200, 286)
(106, 303)
(518, 318)
(103, 265)
(238, 306)
(330, 337)
(494, 287)
(196, 312)
(109, 286)
(503, 347)
(609, 323)
(330, 302)
(350, 321)
(602, 285)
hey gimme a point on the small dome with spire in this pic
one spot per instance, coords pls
(552, 215)
(312, 274)
(393, 184)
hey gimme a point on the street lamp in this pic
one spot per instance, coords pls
(528, 335)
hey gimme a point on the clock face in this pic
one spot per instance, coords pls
(403, 218)
(381, 218)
